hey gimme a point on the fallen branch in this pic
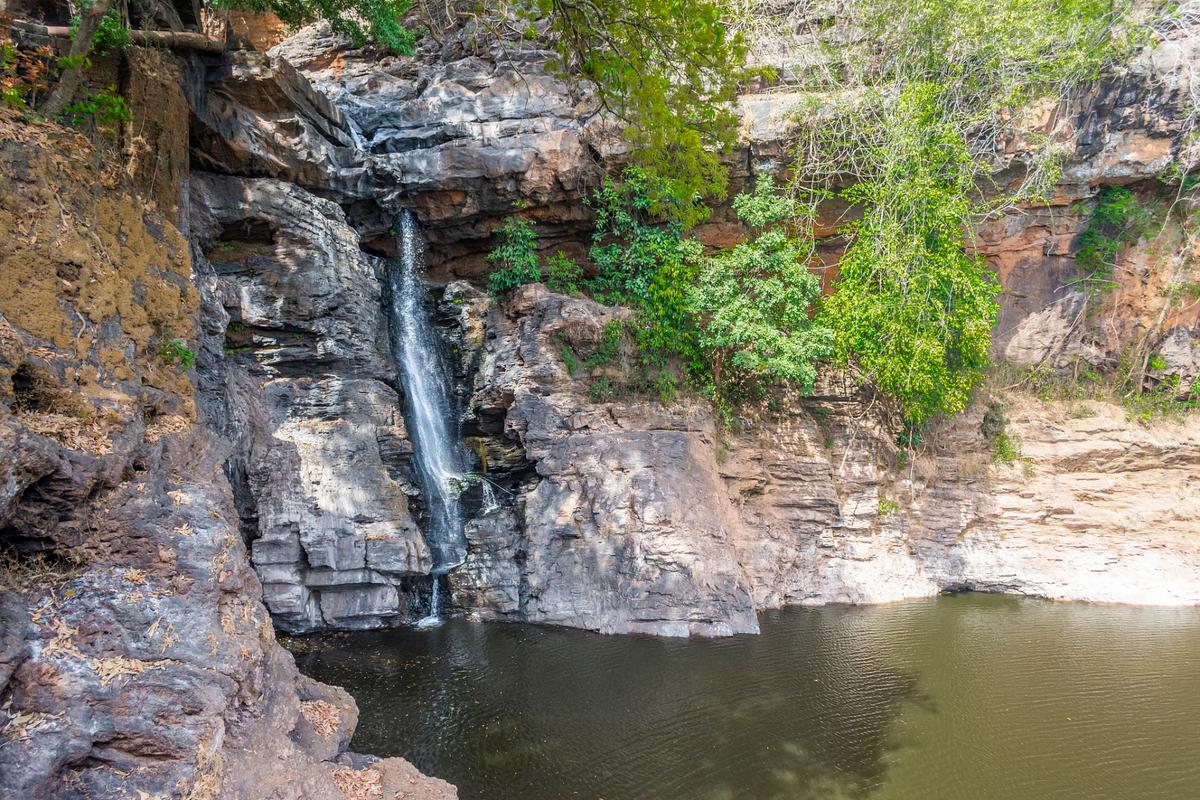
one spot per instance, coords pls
(177, 40)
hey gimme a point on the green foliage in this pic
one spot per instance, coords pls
(668, 71)
(887, 506)
(630, 245)
(1175, 175)
(563, 275)
(569, 359)
(515, 258)
(912, 309)
(608, 349)
(175, 351)
(24, 73)
(994, 54)
(754, 301)
(912, 112)
(909, 437)
(111, 37)
(1162, 401)
(104, 110)
(647, 265)
(603, 389)
(67, 62)
(378, 21)
(10, 88)
(1117, 221)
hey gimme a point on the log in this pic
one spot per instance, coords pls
(176, 40)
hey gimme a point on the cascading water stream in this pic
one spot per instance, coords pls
(432, 422)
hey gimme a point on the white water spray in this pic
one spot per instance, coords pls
(432, 422)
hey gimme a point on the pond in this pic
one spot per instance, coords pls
(963, 696)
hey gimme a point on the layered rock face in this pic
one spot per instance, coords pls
(647, 518)
(323, 465)
(136, 652)
(626, 528)
(461, 134)
(631, 517)
(136, 655)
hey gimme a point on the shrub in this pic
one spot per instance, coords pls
(111, 36)
(105, 111)
(24, 73)
(563, 275)
(754, 301)
(515, 258)
(603, 389)
(1005, 448)
(1117, 221)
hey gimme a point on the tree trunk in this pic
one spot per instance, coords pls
(179, 40)
(69, 82)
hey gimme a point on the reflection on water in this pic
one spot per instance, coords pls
(969, 696)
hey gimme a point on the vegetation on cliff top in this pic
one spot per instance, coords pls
(903, 124)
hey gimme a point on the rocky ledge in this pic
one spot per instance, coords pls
(631, 516)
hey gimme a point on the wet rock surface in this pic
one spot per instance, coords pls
(323, 463)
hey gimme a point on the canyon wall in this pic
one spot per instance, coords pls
(137, 658)
(157, 515)
(651, 518)
(626, 516)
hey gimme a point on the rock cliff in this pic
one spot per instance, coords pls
(136, 655)
(650, 518)
(156, 517)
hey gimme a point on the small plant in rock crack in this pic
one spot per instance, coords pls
(887, 507)
(1006, 449)
(175, 351)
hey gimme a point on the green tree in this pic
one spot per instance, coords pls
(910, 118)
(753, 303)
(668, 70)
(912, 309)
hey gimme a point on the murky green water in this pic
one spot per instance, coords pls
(969, 697)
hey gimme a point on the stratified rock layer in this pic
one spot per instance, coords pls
(645, 518)
(323, 460)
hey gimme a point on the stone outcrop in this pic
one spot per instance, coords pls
(136, 655)
(323, 466)
(256, 115)
(626, 528)
(461, 134)
(646, 518)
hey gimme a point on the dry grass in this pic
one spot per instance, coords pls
(30, 572)
(23, 724)
(210, 765)
(323, 716)
(166, 425)
(89, 434)
(356, 784)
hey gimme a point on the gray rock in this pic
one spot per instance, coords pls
(323, 450)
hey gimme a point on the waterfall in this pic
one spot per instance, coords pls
(490, 501)
(429, 410)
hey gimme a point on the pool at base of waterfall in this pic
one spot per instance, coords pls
(964, 696)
